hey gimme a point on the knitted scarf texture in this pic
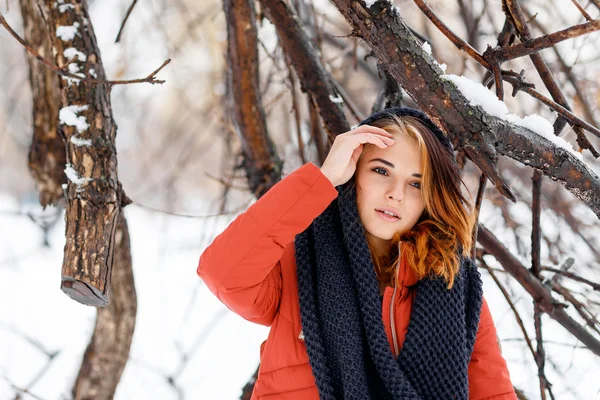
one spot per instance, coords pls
(343, 329)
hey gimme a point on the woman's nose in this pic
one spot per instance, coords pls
(396, 193)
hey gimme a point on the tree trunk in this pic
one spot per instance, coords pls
(47, 157)
(108, 351)
(93, 195)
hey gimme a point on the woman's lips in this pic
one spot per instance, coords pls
(387, 217)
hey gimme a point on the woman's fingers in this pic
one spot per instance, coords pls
(372, 129)
(375, 139)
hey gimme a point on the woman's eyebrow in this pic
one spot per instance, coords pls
(389, 164)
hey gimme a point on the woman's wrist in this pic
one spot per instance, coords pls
(324, 172)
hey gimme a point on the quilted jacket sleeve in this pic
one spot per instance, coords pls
(241, 266)
(488, 374)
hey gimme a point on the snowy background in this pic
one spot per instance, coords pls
(171, 140)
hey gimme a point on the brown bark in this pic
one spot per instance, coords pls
(47, 156)
(108, 351)
(482, 136)
(261, 163)
(532, 46)
(314, 79)
(94, 196)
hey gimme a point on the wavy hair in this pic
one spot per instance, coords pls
(444, 231)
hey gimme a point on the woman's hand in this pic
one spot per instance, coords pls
(340, 164)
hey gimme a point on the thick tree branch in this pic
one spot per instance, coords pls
(108, 351)
(561, 107)
(261, 163)
(313, 77)
(47, 157)
(94, 196)
(482, 136)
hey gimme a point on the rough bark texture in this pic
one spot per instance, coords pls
(93, 194)
(261, 163)
(108, 351)
(482, 135)
(47, 153)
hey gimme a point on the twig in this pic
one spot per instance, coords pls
(125, 20)
(149, 79)
(583, 12)
(458, 42)
(569, 116)
(535, 288)
(536, 234)
(595, 286)
(296, 109)
(511, 304)
(482, 183)
(581, 309)
(498, 81)
(241, 208)
(23, 391)
(536, 45)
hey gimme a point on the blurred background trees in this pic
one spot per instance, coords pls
(254, 90)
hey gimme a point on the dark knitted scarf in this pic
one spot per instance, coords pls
(341, 311)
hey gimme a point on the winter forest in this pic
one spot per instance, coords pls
(132, 133)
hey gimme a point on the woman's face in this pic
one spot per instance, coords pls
(389, 178)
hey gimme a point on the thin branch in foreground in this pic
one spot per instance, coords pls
(60, 71)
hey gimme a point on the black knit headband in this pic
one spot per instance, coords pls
(405, 111)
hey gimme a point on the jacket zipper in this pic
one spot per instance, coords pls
(396, 352)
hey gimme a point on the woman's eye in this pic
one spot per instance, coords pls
(417, 185)
(376, 169)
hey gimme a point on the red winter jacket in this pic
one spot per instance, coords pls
(251, 268)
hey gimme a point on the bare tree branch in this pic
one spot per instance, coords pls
(129, 10)
(534, 287)
(47, 157)
(261, 162)
(108, 351)
(63, 72)
(482, 136)
(313, 77)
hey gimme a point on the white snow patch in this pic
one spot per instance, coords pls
(369, 3)
(427, 47)
(62, 7)
(67, 33)
(72, 52)
(93, 72)
(68, 116)
(77, 141)
(479, 95)
(75, 177)
(336, 99)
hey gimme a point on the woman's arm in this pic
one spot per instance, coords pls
(488, 374)
(241, 265)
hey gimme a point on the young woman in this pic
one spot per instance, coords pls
(361, 269)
